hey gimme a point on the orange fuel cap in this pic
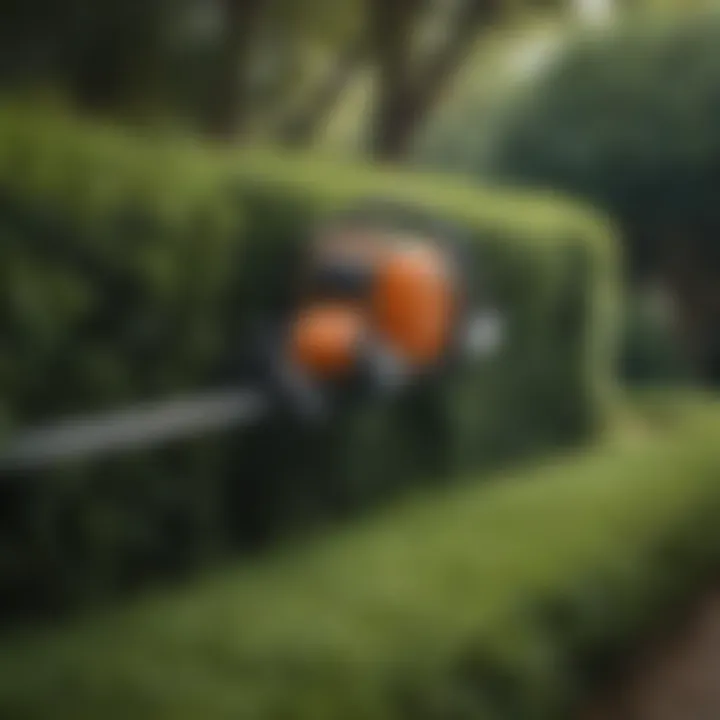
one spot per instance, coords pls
(325, 339)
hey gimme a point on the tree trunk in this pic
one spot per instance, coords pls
(229, 110)
(399, 114)
(391, 27)
(116, 54)
(697, 299)
(406, 94)
(713, 363)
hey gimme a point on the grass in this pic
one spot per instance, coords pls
(333, 629)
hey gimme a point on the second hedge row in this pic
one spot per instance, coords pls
(502, 600)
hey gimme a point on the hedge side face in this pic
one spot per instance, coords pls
(134, 267)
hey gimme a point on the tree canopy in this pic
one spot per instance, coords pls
(230, 67)
(629, 120)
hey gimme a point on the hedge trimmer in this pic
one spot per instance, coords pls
(380, 309)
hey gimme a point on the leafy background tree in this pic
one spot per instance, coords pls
(241, 70)
(625, 118)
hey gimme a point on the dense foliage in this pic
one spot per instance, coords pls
(497, 600)
(132, 268)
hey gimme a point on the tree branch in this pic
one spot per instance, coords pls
(437, 70)
(406, 95)
(241, 20)
(391, 26)
(300, 127)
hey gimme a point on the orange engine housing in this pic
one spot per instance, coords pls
(408, 304)
(413, 303)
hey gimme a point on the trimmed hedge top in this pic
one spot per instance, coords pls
(44, 158)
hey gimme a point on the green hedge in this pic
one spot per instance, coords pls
(132, 267)
(506, 600)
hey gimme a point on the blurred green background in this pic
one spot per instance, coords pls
(493, 545)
